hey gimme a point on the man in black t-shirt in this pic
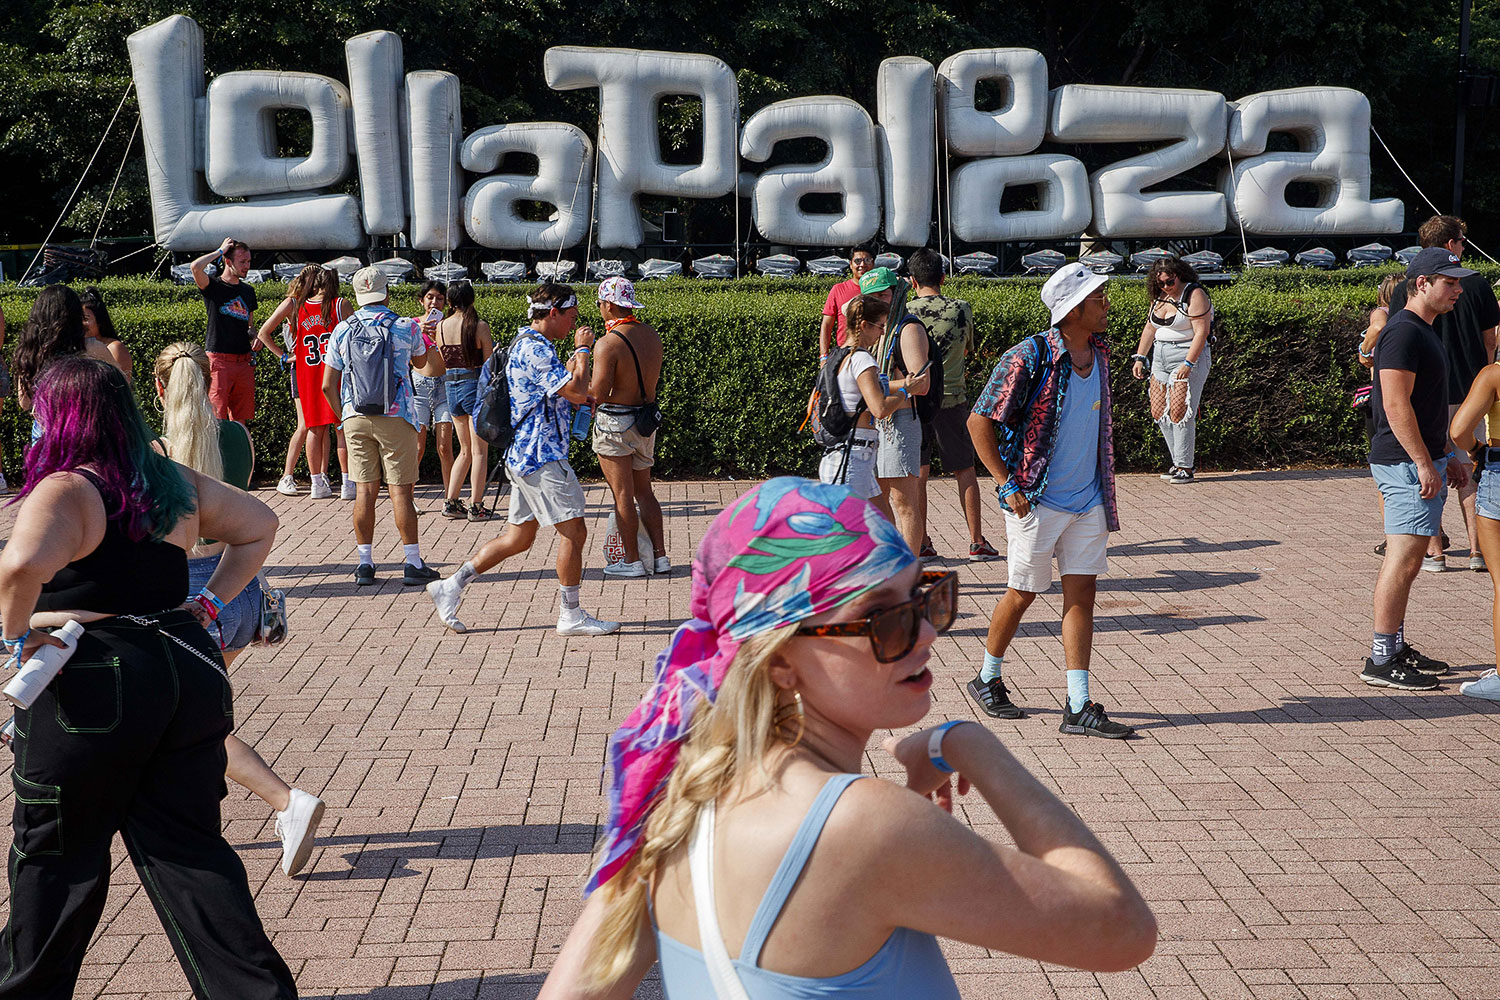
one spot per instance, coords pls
(231, 309)
(1467, 334)
(1409, 458)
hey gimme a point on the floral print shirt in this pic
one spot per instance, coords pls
(1024, 398)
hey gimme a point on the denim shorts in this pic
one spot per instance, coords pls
(1489, 488)
(1406, 513)
(463, 394)
(431, 398)
(235, 626)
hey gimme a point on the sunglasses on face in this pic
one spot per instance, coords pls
(893, 631)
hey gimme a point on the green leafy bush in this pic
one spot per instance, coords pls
(741, 357)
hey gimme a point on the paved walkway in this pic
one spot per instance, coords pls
(1298, 833)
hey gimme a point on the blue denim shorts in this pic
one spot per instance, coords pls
(1488, 499)
(235, 626)
(1406, 513)
(431, 398)
(463, 395)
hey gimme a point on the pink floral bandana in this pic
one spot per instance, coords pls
(785, 551)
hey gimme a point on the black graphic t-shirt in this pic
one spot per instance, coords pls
(231, 308)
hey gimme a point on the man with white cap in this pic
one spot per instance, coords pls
(1043, 428)
(367, 379)
(627, 372)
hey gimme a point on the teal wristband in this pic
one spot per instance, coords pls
(935, 745)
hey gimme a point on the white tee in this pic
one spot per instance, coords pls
(858, 362)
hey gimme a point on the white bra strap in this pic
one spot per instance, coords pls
(726, 981)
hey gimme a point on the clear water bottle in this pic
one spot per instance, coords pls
(36, 673)
(582, 418)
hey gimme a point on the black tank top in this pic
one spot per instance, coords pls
(120, 577)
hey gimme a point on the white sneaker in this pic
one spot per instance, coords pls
(1434, 564)
(1486, 686)
(297, 825)
(576, 621)
(447, 595)
(636, 568)
(663, 565)
(287, 487)
(320, 488)
(346, 491)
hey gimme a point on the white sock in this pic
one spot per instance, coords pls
(465, 575)
(320, 477)
(569, 598)
(413, 554)
(366, 554)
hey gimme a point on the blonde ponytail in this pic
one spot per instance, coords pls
(190, 427)
(728, 739)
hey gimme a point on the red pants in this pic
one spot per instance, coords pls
(231, 386)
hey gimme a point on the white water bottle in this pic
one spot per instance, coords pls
(36, 673)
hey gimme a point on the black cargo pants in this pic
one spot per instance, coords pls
(130, 738)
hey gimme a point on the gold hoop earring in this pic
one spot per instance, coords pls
(159, 407)
(784, 714)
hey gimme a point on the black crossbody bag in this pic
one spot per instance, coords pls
(648, 416)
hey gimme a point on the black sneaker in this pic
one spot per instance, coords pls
(1396, 675)
(1380, 549)
(418, 576)
(1179, 477)
(994, 699)
(455, 510)
(1409, 657)
(1091, 721)
(364, 575)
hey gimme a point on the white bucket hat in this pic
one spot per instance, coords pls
(1068, 286)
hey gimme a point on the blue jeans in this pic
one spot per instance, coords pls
(463, 394)
(1406, 513)
(235, 626)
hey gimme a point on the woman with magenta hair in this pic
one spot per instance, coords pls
(738, 821)
(129, 737)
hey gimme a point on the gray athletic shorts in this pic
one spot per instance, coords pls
(550, 495)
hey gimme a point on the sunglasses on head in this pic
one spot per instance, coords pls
(893, 631)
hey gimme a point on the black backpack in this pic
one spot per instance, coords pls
(927, 405)
(492, 419)
(1215, 330)
(832, 425)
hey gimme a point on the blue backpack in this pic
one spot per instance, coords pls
(371, 365)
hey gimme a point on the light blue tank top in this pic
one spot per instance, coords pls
(909, 964)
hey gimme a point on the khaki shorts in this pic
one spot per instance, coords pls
(550, 495)
(381, 443)
(615, 436)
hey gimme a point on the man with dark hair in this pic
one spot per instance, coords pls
(1409, 458)
(1467, 334)
(544, 489)
(861, 259)
(231, 306)
(950, 322)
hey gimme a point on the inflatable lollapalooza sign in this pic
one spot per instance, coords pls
(402, 132)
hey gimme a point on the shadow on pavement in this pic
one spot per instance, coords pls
(1403, 707)
(1185, 546)
(499, 986)
(388, 855)
(1143, 623)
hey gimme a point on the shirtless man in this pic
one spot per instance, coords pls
(627, 369)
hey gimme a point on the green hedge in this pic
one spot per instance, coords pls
(741, 357)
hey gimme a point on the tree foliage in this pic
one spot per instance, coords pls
(66, 68)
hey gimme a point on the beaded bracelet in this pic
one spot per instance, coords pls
(1141, 358)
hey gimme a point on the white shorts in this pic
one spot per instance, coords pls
(859, 474)
(550, 495)
(1080, 542)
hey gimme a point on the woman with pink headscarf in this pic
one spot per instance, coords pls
(737, 821)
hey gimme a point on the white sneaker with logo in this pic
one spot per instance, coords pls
(636, 568)
(297, 825)
(287, 487)
(320, 488)
(1486, 686)
(576, 621)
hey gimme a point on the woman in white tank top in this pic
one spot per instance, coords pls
(1177, 327)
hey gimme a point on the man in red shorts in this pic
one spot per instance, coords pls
(231, 308)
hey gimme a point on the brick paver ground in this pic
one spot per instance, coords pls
(1298, 833)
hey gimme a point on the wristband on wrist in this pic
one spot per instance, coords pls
(1141, 358)
(1367, 355)
(207, 606)
(16, 645)
(213, 599)
(583, 350)
(1190, 364)
(935, 745)
(1008, 487)
(904, 393)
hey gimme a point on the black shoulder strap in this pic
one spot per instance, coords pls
(639, 378)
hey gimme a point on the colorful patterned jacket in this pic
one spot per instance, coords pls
(1024, 398)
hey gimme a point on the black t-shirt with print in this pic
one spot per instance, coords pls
(231, 309)
(1461, 332)
(1409, 344)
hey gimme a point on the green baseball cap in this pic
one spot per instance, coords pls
(877, 279)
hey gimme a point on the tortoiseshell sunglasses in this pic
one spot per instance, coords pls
(893, 631)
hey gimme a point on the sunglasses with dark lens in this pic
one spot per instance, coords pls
(893, 631)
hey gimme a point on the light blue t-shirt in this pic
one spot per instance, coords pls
(406, 340)
(1073, 470)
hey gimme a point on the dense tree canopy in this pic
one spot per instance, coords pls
(66, 68)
